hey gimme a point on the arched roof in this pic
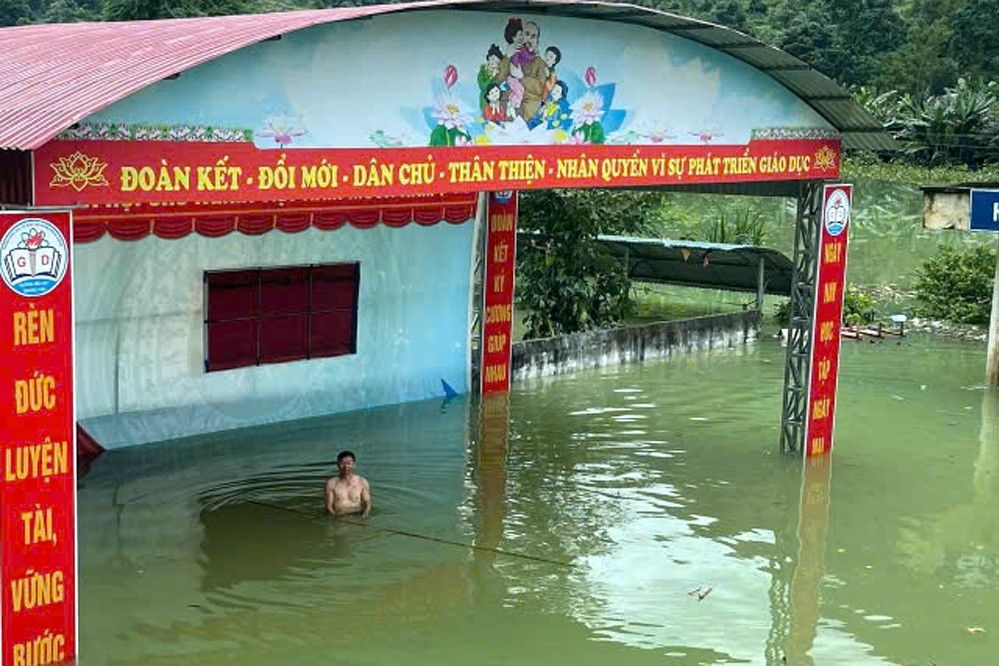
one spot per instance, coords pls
(55, 75)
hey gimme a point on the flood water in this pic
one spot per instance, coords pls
(638, 515)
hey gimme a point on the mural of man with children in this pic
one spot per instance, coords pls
(521, 82)
(521, 98)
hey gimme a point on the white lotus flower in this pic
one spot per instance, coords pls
(516, 132)
(588, 109)
(452, 113)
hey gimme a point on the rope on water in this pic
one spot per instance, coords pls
(414, 535)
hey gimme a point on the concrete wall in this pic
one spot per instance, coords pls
(634, 344)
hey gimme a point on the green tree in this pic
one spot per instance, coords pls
(804, 28)
(566, 283)
(866, 30)
(921, 65)
(956, 285)
(15, 12)
(975, 42)
(70, 11)
(140, 10)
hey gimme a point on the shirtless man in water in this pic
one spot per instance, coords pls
(347, 492)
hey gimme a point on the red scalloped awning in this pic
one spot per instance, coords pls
(130, 223)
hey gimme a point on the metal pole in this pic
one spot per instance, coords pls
(797, 363)
(992, 367)
(760, 284)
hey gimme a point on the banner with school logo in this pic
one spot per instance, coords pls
(830, 286)
(37, 445)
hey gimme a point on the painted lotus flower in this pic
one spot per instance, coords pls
(452, 113)
(588, 109)
(78, 171)
(707, 132)
(283, 129)
(516, 132)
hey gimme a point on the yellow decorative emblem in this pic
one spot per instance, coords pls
(825, 159)
(78, 171)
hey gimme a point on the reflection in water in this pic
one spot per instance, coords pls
(650, 482)
(490, 476)
(987, 463)
(812, 523)
(490, 496)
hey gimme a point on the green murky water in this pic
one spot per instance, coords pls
(637, 489)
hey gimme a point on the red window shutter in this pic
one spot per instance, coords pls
(284, 291)
(332, 334)
(232, 295)
(284, 338)
(231, 344)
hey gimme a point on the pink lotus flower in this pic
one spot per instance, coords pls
(450, 76)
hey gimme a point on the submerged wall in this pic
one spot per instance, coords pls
(140, 330)
(633, 344)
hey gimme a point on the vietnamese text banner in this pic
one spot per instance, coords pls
(112, 172)
(497, 299)
(37, 446)
(830, 287)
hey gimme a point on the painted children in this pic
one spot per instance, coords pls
(489, 73)
(495, 111)
(552, 57)
(554, 111)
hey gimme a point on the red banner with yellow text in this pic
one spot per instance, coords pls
(38, 489)
(830, 287)
(497, 309)
(113, 172)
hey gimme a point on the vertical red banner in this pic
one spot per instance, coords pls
(830, 287)
(497, 318)
(37, 440)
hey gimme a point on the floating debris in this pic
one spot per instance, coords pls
(700, 593)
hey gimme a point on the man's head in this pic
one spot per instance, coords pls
(532, 35)
(345, 462)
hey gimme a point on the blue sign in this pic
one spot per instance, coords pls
(985, 210)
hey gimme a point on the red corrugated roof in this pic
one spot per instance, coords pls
(52, 76)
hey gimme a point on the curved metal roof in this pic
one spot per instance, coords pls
(705, 265)
(55, 75)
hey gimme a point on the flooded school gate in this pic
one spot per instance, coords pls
(263, 230)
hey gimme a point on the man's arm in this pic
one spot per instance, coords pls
(366, 498)
(330, 497)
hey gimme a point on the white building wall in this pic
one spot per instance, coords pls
(140, 330)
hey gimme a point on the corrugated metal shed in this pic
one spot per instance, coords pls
(52, 76)
(705, 265)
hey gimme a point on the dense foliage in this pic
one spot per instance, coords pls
(566, 283)
(956, 285)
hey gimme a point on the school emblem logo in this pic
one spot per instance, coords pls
(503, 196)
(837, 212)
(34, 255)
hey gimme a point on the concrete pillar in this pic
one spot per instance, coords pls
(992, 369)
